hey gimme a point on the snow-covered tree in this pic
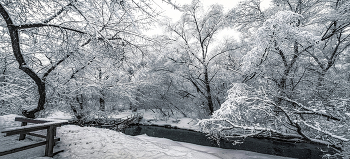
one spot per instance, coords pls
(192, 50)
(294, 61)
(251, 112)
(45, 34)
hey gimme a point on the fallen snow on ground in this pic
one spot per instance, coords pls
(96, 143)
(154, 118)
(89, 142)
(60, 115)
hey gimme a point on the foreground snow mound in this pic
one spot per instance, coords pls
(89, 142)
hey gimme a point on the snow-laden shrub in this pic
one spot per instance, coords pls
(246, 112)
(249, 112)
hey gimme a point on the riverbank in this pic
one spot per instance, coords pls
(259, 145)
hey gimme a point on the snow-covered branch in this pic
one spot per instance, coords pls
(324, 131)
(309, 111)
(37, 25)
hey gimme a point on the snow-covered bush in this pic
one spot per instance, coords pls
(246, 112)
(250, 112)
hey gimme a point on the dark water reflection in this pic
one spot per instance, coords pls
(266, 146)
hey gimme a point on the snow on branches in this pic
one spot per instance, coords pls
(277, 33)
(246, 112)
(249, 112)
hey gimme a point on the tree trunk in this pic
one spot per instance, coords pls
(207, 86)
(3, 79)
(102, 100)
(13, 31)
(80, 101)
(102, 104)
(76, 113)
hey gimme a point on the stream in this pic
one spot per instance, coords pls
(266, 146)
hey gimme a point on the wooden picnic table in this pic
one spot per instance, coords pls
(39, 124)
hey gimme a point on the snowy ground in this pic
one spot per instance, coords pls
(89, 142)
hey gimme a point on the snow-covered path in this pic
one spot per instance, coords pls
(96, 143)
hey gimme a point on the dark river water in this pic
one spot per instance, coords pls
(266, 146)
